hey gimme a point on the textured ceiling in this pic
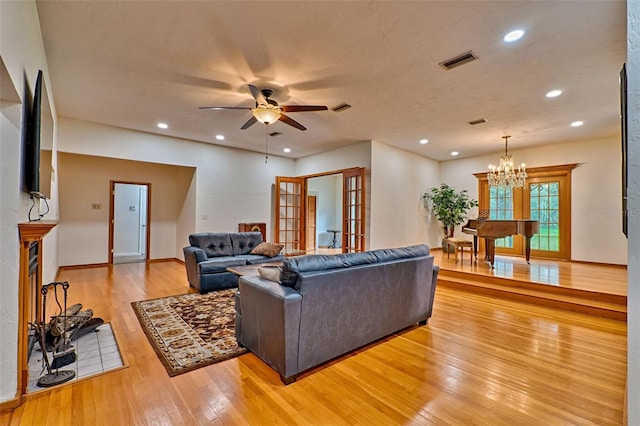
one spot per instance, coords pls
(133, 64)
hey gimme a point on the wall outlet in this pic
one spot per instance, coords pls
(96, 206)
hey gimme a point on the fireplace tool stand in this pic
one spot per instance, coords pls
(63, 352)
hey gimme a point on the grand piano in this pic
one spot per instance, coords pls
(490, 230)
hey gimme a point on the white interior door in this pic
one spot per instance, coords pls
(129, 223)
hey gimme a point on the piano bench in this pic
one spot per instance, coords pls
(459, 244)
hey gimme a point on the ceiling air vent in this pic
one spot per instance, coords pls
(341, 107)
(478, 121)
(274, 134)
(458, 60)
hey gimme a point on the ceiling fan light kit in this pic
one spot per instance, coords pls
(267, 111)
(266, 115)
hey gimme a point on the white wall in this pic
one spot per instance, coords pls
(186, 211)
(85, 181)
(22, 52)
(10, 214)
(355, 155)
(596, 192)
(633, 271)
(232, 186)
(398, 179)
(328, 190)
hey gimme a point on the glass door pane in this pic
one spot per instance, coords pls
(353, 235)
(501, 208)
(290, 212)
(544, 205)
(549, 202)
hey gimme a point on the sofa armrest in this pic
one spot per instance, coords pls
(434, 280)
(199, 254)
(268, 322)
(193, 256)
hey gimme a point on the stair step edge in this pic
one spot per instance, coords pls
(542, 295)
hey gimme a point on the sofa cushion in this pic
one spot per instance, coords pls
(271, 273)
(267, 249)
(219, 264)
(294, 265)
(253, 259)
(214, 244)
(244, 242)
(384, 255)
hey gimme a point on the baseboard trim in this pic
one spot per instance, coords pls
(587, 262)
(10, 405)
(166, 259)
(89, 265)
(102, 265)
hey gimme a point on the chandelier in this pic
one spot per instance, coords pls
(505, 175)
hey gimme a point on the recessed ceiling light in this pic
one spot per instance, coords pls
(424, 141)
(577, 123)
(513, 36)
(163, 125)
(454, 153)
(554, 93)
(220, 137)
(287, 150)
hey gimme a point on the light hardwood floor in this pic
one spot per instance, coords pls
(480, 360)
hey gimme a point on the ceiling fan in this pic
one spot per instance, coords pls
(267, 111)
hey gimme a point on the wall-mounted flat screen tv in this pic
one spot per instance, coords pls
(38, 143)
(623, 124)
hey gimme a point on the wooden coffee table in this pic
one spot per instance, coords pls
(251, 269)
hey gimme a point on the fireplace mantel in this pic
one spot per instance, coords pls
(32, 231)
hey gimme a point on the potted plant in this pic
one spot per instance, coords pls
(449, 206)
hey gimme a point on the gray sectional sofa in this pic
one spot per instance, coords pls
(210, 254)
(325, 306)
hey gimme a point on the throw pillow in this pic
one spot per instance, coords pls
(270, 273)
(267, 249)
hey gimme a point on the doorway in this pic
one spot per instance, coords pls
(347, 216)
(129, 231)
(326, 230)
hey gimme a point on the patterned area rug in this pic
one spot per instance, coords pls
(192, 330)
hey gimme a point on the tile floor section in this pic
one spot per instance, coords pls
(97, 352)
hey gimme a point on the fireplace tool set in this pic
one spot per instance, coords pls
(56, 335)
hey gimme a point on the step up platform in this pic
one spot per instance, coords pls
(598, 290)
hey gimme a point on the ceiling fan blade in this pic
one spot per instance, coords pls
(249, 123)
(257, 94)
(300, 108)
(219, 107)
(291, 122)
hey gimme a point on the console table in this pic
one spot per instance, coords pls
(334, 239)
